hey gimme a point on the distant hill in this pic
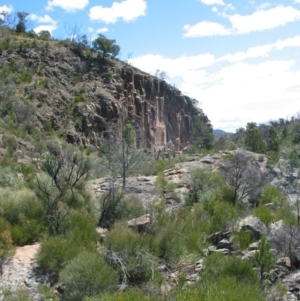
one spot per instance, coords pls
(221, 133)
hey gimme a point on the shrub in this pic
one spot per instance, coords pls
(86, 275)
(242, 239)
(10, 141)
(123, 239)
(221, 266)
(25, 214)
(264, 214)
(130, 207)
(55, 253)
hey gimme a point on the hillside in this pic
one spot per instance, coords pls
(69, 88)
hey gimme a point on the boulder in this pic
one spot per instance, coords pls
(140, 221)
(254, 225)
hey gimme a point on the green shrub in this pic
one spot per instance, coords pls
(271, 194)
(264, 214)
(242, 239)
(221, 266)
(55, 253)
(10, 141)
(25, 214)
(86, 275)
(221, 289)
(130, 207)
(123, 239)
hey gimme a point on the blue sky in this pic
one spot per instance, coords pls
(240, 59)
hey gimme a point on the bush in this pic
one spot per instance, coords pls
(25, 214)
(221, 266)
(130, 207)
(55, 253)
(86, 275)
(221, 289)
(123, 239)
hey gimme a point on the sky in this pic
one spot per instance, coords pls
(240, 59)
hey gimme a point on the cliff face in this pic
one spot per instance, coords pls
(160, 113)
(73, 91)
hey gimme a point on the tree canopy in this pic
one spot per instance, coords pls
(106, 46)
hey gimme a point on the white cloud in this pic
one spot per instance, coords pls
(90, 29)
(6, 8)
(297, 1)
(247, 90)
(212, 2)
(174, 67)
(102, 30)
(260, 20)
(261, 51)
(48, 23)
(214, 9)
(252, 92)
(49, 28)
(264, 19)
(68, 5)
(42, 19)
(126, 10)
(205, 29)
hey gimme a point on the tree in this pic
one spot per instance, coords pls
(22, 23)
(202, 135)
(273, 140)
(106, 46)
(253, 138)
(119, 151)
(264, 259)
(242, 176)
(68, 172)
(44, 34)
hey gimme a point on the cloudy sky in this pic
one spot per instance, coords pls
(240, 59)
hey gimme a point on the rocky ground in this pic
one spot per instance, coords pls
(20, 272)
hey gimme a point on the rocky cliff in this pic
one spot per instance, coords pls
(66, 87)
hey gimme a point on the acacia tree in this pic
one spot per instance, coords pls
(106, 46)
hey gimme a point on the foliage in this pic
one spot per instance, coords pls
(68, 172)
(23, 19)
(253, 138)
(109, 204)
(86, 275)
(106, 46)
(202, 135)
(219, 265)
(243, 177)
(202, 180)
(273, 140)
(24, 213)
(264, 259)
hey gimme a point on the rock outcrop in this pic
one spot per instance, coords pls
(80, 94)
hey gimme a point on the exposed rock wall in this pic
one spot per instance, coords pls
(74, 91)
(161, 115)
